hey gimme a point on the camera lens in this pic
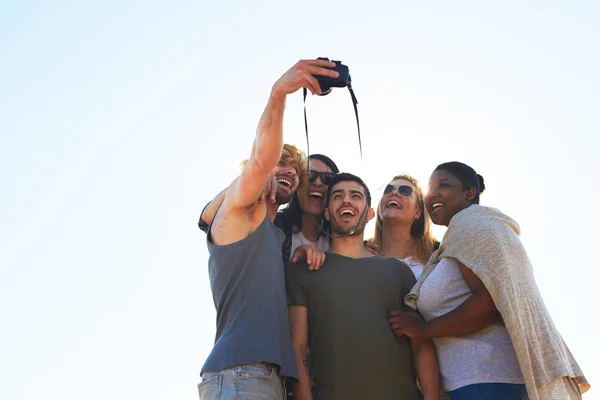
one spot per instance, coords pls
(325, 90)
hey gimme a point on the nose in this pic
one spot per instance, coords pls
(346, 201)
(291, 172)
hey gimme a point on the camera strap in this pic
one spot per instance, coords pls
(354, 103)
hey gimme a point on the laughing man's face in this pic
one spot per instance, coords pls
(287, 183)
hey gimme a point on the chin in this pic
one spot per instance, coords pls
(283, 198)
(346, 231)
(439, 221)
(317, 211)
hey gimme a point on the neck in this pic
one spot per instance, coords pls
(310, 226)
(272, 209)
(396, 241)
(349, 246)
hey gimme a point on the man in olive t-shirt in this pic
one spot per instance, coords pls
(340, 313)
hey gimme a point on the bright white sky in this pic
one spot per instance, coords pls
(120, 120)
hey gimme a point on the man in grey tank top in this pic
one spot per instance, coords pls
(252, 349)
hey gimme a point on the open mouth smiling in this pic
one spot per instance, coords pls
(347, 212)
(317, 196)
(285, 182)
(393, 204)
(436, 205)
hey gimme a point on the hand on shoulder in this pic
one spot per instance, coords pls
(314, 258)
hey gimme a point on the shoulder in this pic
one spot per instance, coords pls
(477, 214)
(481, 224)
(390, 263)
(297, 268)
(395, 271)
(401, 271)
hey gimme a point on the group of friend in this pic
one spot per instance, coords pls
(309, 309)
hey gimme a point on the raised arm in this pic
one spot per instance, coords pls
(299, 327)
(266, 150)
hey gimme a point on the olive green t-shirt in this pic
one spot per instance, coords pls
(353, 351)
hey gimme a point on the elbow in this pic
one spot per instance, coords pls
(489, 305)
(488, 312)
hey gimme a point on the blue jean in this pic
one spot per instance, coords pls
(252, 382)
(490, 391)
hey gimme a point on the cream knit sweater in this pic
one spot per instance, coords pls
(487, 242)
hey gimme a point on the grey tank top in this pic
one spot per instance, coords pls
(486, 356)
(247, 279)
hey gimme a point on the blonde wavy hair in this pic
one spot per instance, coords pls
(424, 242)
(291, 156)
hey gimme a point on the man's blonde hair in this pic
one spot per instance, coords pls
(291, 156)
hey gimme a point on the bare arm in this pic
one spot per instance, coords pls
(299, 326)
(268, 143)
(426, 367)
(474, 314)
(210, 210)
(266, 151)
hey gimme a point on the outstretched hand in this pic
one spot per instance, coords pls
(301, 75)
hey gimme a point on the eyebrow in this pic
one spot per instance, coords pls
(352, 191)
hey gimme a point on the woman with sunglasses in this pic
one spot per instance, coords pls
(402, 227)
(493, 335)
(302, 220)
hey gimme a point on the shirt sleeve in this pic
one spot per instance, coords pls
(295, 282)
(408, 280)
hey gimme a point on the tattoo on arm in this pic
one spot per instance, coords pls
(305, 362)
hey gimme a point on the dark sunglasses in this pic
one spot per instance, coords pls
(326, 177)
(403, 190)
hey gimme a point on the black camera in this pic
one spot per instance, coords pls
(342, 80)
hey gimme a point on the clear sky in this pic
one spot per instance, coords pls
(120, 120)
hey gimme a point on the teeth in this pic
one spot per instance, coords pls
(393, 202)
(317, 194)
(285, 182)
(436, 205)
(348, 212)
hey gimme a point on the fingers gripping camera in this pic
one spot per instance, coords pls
(342, 80)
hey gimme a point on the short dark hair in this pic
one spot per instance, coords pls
(348, 177)
(466, 175)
